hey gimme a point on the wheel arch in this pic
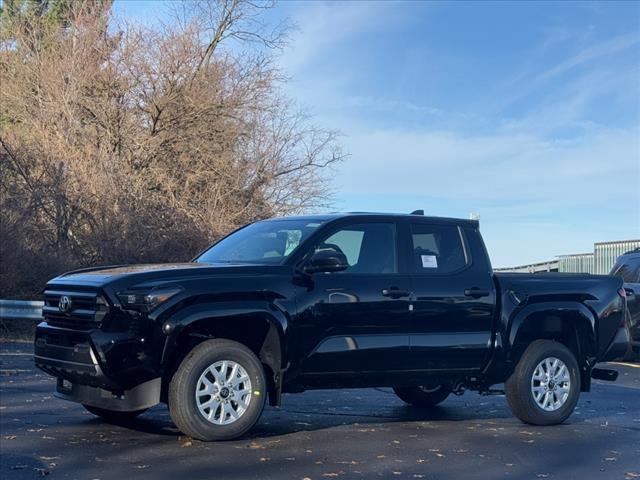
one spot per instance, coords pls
(571, 324)
(257, 325)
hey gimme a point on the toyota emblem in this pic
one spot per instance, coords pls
(64, 304)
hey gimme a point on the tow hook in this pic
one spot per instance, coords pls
(604, 374)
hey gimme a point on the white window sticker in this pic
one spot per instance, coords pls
(429, 261)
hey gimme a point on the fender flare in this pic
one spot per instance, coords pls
(585, 317)
(559, 309)
(272, 351)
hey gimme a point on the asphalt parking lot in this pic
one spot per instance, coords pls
(344, 434)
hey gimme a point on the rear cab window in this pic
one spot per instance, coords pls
(436, 249)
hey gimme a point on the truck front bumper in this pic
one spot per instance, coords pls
(106, 370)
(140, 397)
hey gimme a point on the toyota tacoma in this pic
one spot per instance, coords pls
(327, 301)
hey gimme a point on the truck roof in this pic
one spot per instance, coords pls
(380, 215)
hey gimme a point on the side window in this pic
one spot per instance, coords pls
(437, 249)
(369, 247)
(627, 270)
(635, 265)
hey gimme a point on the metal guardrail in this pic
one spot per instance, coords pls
(20, 310)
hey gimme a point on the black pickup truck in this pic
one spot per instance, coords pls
(328, 301)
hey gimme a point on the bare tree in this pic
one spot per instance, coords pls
(123, 143)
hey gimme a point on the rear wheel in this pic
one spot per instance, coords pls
(113, 416)
(218, 391)
(423, 396)
(545, 385)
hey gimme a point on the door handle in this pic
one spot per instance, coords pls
(476, 292)
(395, 292)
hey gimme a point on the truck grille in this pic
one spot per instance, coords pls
(75, 310)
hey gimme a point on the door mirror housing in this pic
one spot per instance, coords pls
(325, 261)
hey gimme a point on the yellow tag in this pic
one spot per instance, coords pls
(256, 392)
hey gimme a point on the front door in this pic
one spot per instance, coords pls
(357, 320)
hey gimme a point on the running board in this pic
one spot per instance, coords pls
(604, 374)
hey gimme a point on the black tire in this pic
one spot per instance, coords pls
(113, 416)
(182, 399)
(519, 391)
(423, 397)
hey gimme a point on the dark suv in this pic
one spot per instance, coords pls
(627, 267)
(327, 301)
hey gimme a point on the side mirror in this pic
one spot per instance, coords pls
(327, 260)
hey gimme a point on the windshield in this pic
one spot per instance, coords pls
(267, 242)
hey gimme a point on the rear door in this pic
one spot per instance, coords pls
(453, 301)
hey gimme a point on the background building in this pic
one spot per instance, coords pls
(577, 262)
(600, 261)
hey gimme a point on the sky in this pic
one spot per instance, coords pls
(526, 114)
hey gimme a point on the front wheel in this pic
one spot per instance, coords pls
(423, 396)
(545, 385)
(218, 391)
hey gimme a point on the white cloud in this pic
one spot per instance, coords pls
(594, 52)
(521, 165)
(323, 25)
(534, 175)
(537, 74)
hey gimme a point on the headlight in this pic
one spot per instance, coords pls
(146, 301)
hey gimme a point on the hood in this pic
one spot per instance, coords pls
(100, 276)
